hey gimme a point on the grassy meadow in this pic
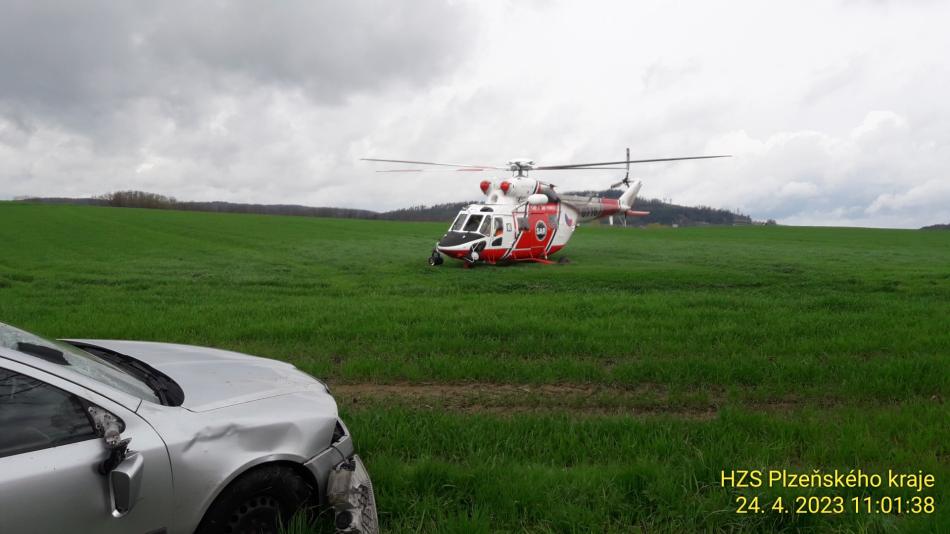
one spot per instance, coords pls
(603, 395)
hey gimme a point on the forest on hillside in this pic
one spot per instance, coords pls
(660, 212)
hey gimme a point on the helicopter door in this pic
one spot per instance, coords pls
(501, 232)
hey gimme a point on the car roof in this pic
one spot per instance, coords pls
(128, 401)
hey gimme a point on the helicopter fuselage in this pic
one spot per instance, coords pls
(522, 220)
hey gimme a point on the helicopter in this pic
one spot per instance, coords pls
(523, 219)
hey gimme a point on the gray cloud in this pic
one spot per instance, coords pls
(72, 60)
(835, 111)
(207, 99)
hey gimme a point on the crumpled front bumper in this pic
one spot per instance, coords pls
(345, 485)
(350, 492)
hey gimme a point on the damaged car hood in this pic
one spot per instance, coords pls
(213, 378)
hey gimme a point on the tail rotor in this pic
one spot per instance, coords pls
(626, 178)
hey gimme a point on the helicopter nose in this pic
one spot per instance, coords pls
(457, 240)
(457, 244)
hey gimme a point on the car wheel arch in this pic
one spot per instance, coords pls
(295, 466)
(290, 461)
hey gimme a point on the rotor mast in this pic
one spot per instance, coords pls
(520, 167)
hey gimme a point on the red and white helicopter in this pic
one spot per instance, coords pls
(523, 219)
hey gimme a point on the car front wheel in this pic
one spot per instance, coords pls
(257, 502)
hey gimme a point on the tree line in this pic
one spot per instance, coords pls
(660, 212)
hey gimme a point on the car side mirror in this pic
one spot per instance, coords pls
(122, 466)
(124, 483)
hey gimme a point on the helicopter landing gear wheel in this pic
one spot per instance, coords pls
(469, 261)
(435, 259)
(473, 254)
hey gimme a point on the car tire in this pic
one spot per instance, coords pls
(257, 501)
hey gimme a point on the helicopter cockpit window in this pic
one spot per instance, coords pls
(473, 222)
(483, 229)
(459, 221)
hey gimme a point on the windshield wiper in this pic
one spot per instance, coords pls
(168, 392)
(43, 352)
(144, 372)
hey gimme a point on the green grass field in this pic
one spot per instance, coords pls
(602, 395)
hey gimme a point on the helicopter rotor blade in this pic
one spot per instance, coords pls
(596, 165)
(559, 168)
(464, 166)
(483, 169)
(434, 170)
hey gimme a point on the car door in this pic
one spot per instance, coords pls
(50, 454)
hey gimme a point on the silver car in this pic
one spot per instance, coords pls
(126, 436)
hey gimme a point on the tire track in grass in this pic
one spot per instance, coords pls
(576, 399)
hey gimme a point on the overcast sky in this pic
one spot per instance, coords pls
(837, 113)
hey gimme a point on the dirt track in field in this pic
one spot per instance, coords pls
(576, 399)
